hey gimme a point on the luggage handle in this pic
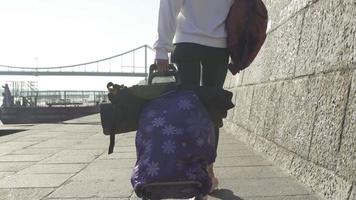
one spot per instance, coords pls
(172, 71)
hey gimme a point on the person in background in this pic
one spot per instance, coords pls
(200, 44)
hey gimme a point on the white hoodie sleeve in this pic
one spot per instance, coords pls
(167, 23)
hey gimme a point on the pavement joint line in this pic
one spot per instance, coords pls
(60, 148)
(1, 188)
(215, 166)
(296, 195)
(19, 161)
(233, 156)
(246, 166)
(52, 163)
(254, 155)
(58, 163)
(69, 179)
(45, 197)
(42, 173)
(259, 178)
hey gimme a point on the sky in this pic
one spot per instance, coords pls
(43, 33)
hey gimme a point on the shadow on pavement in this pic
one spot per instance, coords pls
(225, 194)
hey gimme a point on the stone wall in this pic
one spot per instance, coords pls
(296, 104)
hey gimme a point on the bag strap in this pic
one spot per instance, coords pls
(112, 136)
(112, 143)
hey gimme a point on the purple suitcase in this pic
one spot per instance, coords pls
(175, 142)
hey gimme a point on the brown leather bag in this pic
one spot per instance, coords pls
(246, 26)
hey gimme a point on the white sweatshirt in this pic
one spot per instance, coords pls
(194, 21)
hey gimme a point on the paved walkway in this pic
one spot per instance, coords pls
(68, 161)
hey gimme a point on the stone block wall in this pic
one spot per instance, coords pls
(296, 103)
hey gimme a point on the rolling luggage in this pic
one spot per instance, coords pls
(175, 139)
(175, 142)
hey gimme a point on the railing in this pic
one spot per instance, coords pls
(132, 63)
(60, 98)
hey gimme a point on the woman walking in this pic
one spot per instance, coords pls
(194, 32)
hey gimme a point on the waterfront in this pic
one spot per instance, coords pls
(22, 103)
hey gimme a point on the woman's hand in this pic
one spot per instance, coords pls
(162, 65)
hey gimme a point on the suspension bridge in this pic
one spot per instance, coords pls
(132, 63)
